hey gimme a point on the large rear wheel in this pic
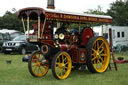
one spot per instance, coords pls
(98, 54)
(61, 65)
(38, 66)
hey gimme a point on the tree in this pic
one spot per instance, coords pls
(119, 13)
(10, 21)
(96, 11)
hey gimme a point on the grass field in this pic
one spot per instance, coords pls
(17, 73)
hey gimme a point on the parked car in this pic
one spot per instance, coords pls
(12, 33)
(18, 44)
(3, 38)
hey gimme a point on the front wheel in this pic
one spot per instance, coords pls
(23, 51)
(98, 54)
(38, 66)
(61, 65)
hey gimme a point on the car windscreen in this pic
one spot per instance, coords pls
(13, 35)
(20, 38)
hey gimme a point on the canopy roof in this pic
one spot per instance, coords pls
(58, 15)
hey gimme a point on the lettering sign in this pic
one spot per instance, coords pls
(74, 18)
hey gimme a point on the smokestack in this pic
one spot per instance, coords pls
(50, 4)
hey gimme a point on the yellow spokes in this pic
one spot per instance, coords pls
(98, 55)
(38, 65)
(62, 65)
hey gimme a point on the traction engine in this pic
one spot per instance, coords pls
(63, 48)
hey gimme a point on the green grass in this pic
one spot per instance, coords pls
(17, 73)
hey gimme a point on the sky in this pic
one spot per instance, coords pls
(79, 6)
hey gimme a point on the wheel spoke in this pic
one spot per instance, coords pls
(40, 70)
(62, 58)
(65, 70)
(103, 55)
(33, 65)
(60, 71)
(57, 63)
(94, 50)
(101, 45)
(62, 65)
(95, 62)
(101, 58)
(93, 54)
(98, 57)
(93, 58)
(66, 63)
(101, 50)
(65, 59)
(35, 68)
(98, 61)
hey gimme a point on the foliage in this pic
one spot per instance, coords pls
(10, 21)
(119, 12)
(96, 11)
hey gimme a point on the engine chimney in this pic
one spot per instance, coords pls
(50, 4)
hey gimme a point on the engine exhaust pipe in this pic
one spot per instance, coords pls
(50, 4)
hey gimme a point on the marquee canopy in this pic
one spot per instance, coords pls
(58, 15)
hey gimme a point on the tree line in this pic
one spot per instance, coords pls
(10, 21)
(118, 11)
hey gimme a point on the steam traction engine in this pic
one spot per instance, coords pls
(62, 47)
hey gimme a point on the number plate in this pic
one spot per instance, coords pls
(9, 49)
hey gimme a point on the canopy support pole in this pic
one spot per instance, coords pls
(38, 26)
(23, 24)
(43, 26)
(28, 26)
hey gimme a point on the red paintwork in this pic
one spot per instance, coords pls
(87, 34)
(63, 47)
(47, 36)
(48, 42)
(121, 61)
(74, 54)
(35, 27)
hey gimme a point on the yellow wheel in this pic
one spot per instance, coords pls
(98, 54)
(38, 66)
(61, 65)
